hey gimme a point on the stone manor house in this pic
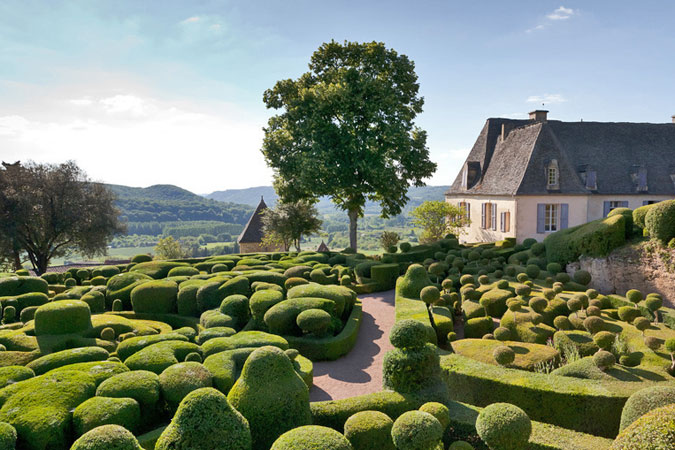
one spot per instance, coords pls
(527, 178)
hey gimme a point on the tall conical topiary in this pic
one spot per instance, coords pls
(271, 395)
(206, 421)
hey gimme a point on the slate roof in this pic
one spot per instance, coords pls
(517, 165)
(253, 231)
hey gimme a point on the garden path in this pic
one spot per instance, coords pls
(360, 372)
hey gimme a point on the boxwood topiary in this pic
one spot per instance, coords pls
(369, 430)
(62, 317)
(314, 321)
(417, 430)
(628, 313)
(439, 411)
(503, 426)
(342, 296)
(504, 355)
(645, 400)
(7, 436)
(478, 326)
(654, 430)
(99, 411)
(271, 395)
(158, 296)
(141, 385)
(414, 280)
(180, 379)
(65, 357)
(121, 285)
(261, 301)
(281, 318)
(660, 221)
(161, 355)
(311, 437)
(107, 437)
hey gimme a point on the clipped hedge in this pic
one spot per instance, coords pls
(99, 411)
(597, 238)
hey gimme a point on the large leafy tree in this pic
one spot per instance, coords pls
(286, 223)
(347, 130)
(48, 211)
(438, 218)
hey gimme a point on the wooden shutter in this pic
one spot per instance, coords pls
(493, 208)
(564, 212)
(645, 202)
(541, 217)
(482, 215)
(468, 211)
(605, 209)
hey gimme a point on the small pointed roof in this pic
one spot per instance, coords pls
(253, 231)
(323, 247)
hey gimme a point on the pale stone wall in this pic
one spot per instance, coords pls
(474, 232)
(255, 247)
(526, 221)
(596, 202)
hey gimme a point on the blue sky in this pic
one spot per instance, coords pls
(146, 92)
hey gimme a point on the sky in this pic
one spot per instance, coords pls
(170, 92)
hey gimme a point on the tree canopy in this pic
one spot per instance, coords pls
(438, 218)
(50, 210)
(286, 223)
(347, 130)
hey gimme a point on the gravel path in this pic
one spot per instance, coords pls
(360, 372)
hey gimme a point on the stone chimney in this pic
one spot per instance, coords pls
(538, 115)
(673, 119)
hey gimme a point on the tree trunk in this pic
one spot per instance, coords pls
(17, 261)
(353, 218)
(42, 264)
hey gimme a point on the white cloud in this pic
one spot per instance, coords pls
(561, 13)
(191, 20)
(548, 98)
(182, 144)
(84, 101)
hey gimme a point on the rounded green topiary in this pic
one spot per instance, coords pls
(504, 355)
(653, 303)
(532, 271)
(141, 385)
(562, 323)
(261, 301)
(594, 324)
(460, 445)
(645, 400)
(417, 430)
(634, 295)
(604, 340)
(117, 305)
(405, 247)
(522, 278)
(502, 334)
(604, 359)
(99, 411)
(311, 437)
(205, 420)
(108, 334)
(430, 295)
(652, 342)
(193, 357)
(369, 430)
(158, 296)
(408, 333)
(654, 430)
(107, 437)
(237, 307)
(582, 277)
(439, 411)
(179, 380)
(62, 317)
(8, 436)
(141, 258)
(660, 221)
(538, 304)
(314, 321)
(641, 323)
(523, 290)
(593, 310)
(592, 293)
(503, 426)
(271, 395)
(628, 313)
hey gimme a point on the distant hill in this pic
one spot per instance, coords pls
(251, 196)
(156, 192)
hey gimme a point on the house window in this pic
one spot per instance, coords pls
(505, 221)
(465, 208)
(649, 202)
(552, 176)
(489, 216)
(608, 206)
(551, 218)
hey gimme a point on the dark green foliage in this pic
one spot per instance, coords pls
(385, 275)
(582, 277)
(281, 318)
(639, 215)
(156, 269)
(604, 359)
(417, 430)
(261, 301)
(628, 313)
(65, 357)
(411, 369)
(314, 321)
(604, 340)
(341, 295)
(369, 430)
(214, 332)
(26, 404)
(596, 238)
(633, 295)
(503, 426)
(439, 411)
(132, 345)
(120, 287)
(161, 355)
(62, 317)
(594, 324)
(107, 437)
(141, 258)
(157, 296)
(183, 271)
(99, 411)
(205, 420)
(502, 334)
(660, 221)
(7, 436)
(627, 214)
(408, 333)
(654, 430)
(645, 400)
(13, 374)
(271, 395)
(141, 385)
(504, 355)
(311, 437)
(95, 300)
(243, 339)
(411, 284)
(494, 301)
(236, 306)
(478, 326)
(179, 380)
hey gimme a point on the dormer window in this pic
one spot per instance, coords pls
(639, 177)
(552, 175)
(470, 174)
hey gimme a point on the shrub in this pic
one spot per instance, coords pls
(205, 420)
(180, 379)
(593, 310)
(411, 369)
(132, 345)
(504, 355)
(641, 323)
(652, 342)
(108, 334)
(532, 271)
(294, 281)
(633, 295)
(494, 301)
(281, 318)
(502, 334)
(582, 277)
(478, 326)
(405, 247)
(417, 430)
(141, 385)
(460, 445)
(628, 313)
(107, 437)
(503, 426)
(439, 411)
(261, 301)
(342, 296)
(244, 339)
(594, 324)
(645, 400)
(161, 355)
(639, 215)
(597, 238)
(7, 436)
(604, 359)
(65, 357)
(311, 437)
(99, 411)
(604, 340)
(121, 285)
(314, 321)
(660, 221)
(562, 323)
(117, 305)
(369, 430)
(411, 284)
(237, 307)
(271, 395)
(654, 430)
(62, 317)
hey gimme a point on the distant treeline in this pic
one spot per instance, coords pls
(179, 229)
